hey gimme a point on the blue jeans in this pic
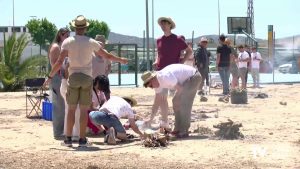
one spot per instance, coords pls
(225, 74)
(58, 106)
(108, 120)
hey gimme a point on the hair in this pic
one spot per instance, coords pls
(61, 31)
(222, 38)
(181, 37)
(103, 85)
(240, 46)
(128, 101)
(228, 41)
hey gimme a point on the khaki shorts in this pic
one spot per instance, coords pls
(79, 89)
(243, 72)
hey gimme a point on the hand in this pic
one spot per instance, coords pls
(154, 65)
(142, 136)
(46, 83)
(124, 61)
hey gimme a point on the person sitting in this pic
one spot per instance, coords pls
(100, 94)
(109, 116)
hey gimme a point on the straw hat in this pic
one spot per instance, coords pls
(131, 99)
(147, 76)
(203, 39)
(80, 22)
(100, 38)
(168, 19)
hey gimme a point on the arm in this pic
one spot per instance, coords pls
(188, 53)
(56, 66)
(156, 61)
(54, 54)
(135, 127)
(218, 60)
(103, 53)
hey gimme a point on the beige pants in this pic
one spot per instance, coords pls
(183, 102)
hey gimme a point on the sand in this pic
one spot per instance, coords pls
(271, 130)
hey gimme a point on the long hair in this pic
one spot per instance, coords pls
(103, 85)
(61, 31)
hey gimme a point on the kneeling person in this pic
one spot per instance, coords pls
(109, 115)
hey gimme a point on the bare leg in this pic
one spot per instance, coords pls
(83, 120)
(70, 119)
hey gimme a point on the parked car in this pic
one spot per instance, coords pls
(285, 68)
(289, 68)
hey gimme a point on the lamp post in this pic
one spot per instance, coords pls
(219, 16)
(13, 27)
(32, 17)
(147, 36)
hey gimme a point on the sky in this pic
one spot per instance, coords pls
(128, 17)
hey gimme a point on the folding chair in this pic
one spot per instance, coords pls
(35, 98)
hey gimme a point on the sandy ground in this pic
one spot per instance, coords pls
(272, 136)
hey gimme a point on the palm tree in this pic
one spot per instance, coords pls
(13, 72)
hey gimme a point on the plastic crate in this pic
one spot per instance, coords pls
(47, 110)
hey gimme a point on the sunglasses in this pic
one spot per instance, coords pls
(66, 33)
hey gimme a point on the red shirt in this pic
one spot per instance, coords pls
(169, 49)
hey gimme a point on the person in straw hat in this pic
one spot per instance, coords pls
(109, 115)
(202, 63)
(185, 79)
(79, 49)
(169, 48)
(100, 65)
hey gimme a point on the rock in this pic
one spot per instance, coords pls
(228, 130)
(283, 103)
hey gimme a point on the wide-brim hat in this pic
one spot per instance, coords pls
(203, 39)
(100, 38)
(80, 22)
(147, 76)
(131, 99)
(168, 19)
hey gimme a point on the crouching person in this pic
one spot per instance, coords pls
(185, 79)
(109, 115)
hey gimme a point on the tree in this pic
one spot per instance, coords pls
(96, 27)
(12, 71)
(42, 32)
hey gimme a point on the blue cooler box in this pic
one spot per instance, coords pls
(47, 111)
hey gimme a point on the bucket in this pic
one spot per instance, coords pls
(47, 110)
(238, 97)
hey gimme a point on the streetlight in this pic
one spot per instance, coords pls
(32, 17)
(13, 27)
(147, 36)
(219, 16)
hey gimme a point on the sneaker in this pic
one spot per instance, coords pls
(67, 142)
(83, 142)
(111, 137)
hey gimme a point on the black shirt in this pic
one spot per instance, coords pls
(224, 52)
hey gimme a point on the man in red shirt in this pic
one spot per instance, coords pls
(169, 48)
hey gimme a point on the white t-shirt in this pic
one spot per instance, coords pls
(243, 55)
(80, 51)
(174, 74)
(255, 60)
(119, 107)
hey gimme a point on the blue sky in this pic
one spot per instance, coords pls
(128, 16)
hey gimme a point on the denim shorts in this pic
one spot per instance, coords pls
(108, 120)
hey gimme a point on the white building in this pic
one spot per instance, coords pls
(30, 50)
